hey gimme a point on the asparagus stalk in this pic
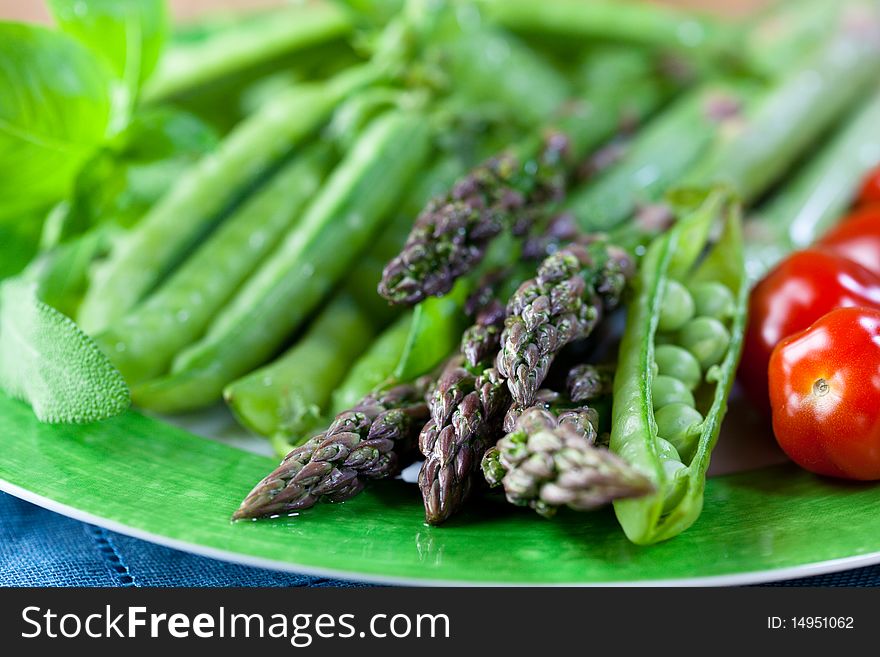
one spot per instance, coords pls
(188, 210)
(549, 461)
(659, 155)
(370, 441)
(245, 46)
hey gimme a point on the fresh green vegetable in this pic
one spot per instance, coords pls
(187, 211)
(817, 195)
(288, 396)
(246, 45)
(794, 114)
(509, 192)
(373, 440)
(129, 36)
(659, 155)
(550, 460)
(375, 367)
(295, 279)
(640, 394)
(638, 23)
(54, 112)
(144, 341)
(303, 378)
(47, 361)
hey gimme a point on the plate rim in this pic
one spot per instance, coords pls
(738, 579)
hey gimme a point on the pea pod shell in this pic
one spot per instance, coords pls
(634, 429)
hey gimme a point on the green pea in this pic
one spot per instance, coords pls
(707, 339)
(675, 471)
(678, 363)
(713, 300)
(677, 308)
(668, 390)
(677, 475)
(666, 451)
(677, 423)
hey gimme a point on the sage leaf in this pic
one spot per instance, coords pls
(54, 112)
(47, 361)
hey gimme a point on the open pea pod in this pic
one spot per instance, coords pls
(677, 362)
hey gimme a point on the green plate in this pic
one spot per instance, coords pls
(142, 477)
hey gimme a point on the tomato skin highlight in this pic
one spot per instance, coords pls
(870, 190)
(825, 395)
(800, 290)
(857, 237)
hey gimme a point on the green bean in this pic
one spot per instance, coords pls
(298, 275)
(674, 255)
(245, 45)
(375, 367)
(707, 339)
(801, 107)
(672, 360)
(668, 390)
(712, 299)
(288, 396)
(638, 23)
(679, 424)
(143, 342)
(818, 193)
(677, 309)
(188, 210)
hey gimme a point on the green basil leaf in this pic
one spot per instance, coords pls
(129, 35)
(54, 111)
(47, 361)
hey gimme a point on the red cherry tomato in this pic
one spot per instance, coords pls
(825, 394)
(802, 288)
(870, 191)
(857, 238)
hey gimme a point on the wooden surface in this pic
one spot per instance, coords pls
(188, 9)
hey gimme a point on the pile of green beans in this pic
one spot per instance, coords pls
(677, 362)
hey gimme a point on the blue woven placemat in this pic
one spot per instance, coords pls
(41, 548)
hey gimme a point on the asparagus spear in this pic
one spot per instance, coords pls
(247, 45)
(508, 192)
(466, 415)
(550, 460)
(187, 211)
(370, 441)
(563, 303)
